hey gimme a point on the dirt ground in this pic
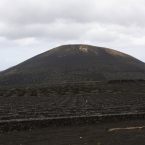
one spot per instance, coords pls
(112, 133)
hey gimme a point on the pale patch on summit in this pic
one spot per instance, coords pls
(83, 49)
(114, 52)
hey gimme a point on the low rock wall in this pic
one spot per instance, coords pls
(27, 124)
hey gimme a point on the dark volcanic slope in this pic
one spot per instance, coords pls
(74, 63)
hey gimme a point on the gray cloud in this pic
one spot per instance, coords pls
(120, 12)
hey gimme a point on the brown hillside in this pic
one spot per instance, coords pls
(74, 63)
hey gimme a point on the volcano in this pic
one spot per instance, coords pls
(73, 64)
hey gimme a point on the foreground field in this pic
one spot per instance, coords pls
(27, 107)
(113, 133)
(74, 114)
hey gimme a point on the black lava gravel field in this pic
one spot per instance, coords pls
(35, 107)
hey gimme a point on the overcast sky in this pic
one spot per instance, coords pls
(30, 27)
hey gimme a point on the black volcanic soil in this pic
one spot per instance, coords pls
(73, 100)
(73, 80)
(97, 134)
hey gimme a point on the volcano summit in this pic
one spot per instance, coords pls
(74, 63)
